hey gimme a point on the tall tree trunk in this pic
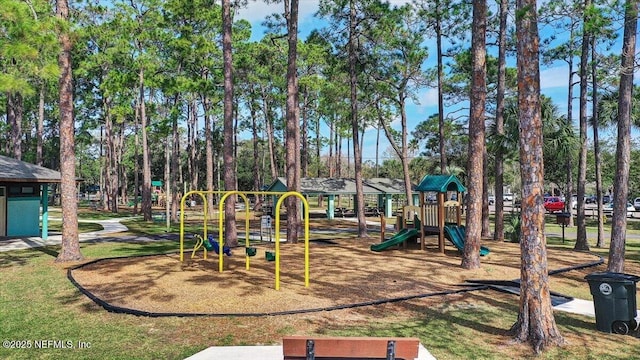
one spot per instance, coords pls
(175, 166)
(581, 238)
(146, 156)
(109, 162)
(208, 144)
(15, 109)
(192, 135)
(332, 132)
(498, 233)
(596, 136)
(136, 165)
(486, 224)
(569, 120)
(40, 127)
(348, 167)
(70, 250)
(405, 151)
(229, 174)
(441, 125)
(168, 186)
(475, 168)
(304, 135)
(357, 156)
(402, 150)
(122, 173)
(338, 155)
(378, 146)
(318, 147)
(292, 126)
(621, 190)
(236, 119)
(255, 138)
(268, 123)
(535, 324)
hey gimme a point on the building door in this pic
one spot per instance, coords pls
(3, 211)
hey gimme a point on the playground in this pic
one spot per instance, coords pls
(329, 276)
(322, 273)
(344, 273)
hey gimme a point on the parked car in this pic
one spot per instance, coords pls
(574, 201)
(553, 204)
(492, 199)
(636, 204)
(608, 209)
(591, 199)
(507, 197)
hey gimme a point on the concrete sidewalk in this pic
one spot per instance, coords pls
(109, 227)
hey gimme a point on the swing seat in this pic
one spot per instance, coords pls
(270, 255)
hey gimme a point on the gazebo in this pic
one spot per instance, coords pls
(434, 216)
(24, 191)
(383, 188)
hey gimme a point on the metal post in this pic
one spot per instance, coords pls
(311, 351)
(391, 350)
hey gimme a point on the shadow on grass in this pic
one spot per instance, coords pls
(23, 256)
(16, 258)
(119, 246)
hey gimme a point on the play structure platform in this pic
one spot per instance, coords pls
(454, 233)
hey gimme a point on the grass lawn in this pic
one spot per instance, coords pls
(42, 310)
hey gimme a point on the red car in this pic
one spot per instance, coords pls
(553, 204)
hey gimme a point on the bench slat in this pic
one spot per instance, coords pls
(350, 347)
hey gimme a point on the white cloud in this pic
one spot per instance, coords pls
(428, 98)
(554, 77)
(257, 10)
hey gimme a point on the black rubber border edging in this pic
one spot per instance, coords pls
(122, 310)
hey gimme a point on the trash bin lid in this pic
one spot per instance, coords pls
(612, 277)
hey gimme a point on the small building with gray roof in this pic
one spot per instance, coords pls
(23, 194)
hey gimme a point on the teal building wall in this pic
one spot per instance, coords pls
(23, 216)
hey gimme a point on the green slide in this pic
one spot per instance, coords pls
(455, 234)
(403, 235)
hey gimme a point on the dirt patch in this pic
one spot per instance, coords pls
(342, 272)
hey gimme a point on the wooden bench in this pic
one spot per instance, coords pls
(303, 347)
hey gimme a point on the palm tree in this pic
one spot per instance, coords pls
(559, 137)
(608, 108)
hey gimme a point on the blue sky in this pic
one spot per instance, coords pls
(554, 78)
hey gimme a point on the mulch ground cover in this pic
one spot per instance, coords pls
(342, 272)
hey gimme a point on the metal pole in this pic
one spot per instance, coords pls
(311, 351)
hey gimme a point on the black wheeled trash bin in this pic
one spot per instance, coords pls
(614, 301)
